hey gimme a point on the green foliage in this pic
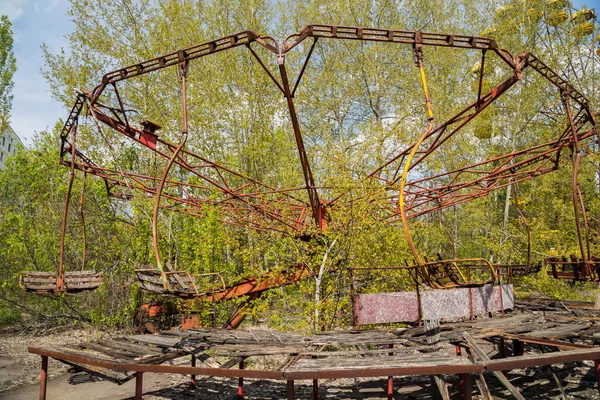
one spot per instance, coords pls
(8, 66)
(358, 104)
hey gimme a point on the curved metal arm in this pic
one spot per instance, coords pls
(577, 200)
(527, 227)
(81, 213)
(157, 197)
(223, 286)
(66, 209)
(161, 185)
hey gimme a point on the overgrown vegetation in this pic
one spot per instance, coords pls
(357, 101)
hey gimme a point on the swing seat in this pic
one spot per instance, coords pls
(51, 283)
(520, 270)
(448, 274)
(573, 268)
(175, 283)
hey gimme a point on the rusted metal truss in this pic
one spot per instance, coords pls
(249, 203)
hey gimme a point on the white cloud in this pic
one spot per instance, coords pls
(52, 5)
(12, 8)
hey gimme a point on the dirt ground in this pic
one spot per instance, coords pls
(19, 368)
(19, 380)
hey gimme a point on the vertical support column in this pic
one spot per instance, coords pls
(240, 392)
(44, 377)
(313, 197)
(315, 389)
(390, 385)
(139, 385)
(471, 314)
(597, 369)
(500, 288)
(502, 351)
(465, 386)
(420, 310)
(193, 377)
(518, 348)
(290, 390)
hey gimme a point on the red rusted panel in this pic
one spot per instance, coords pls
(382, 308)
(487, 299)
(189, 321)
(148, 139)
(456, 303)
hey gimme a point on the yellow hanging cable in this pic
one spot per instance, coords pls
(407, 164)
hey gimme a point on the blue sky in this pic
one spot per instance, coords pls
(44, 21)
(35, 22)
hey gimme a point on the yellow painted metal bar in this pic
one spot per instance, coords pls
(408, 162)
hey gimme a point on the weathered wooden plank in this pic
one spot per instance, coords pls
(123, 344)
(442, 387)
(483, 387)
(232, 362)
(74, 281)
(105, 373)
(49, 279)
(291, 360)
(208, 360)
(39, 287)
(157, 340)
(77, 356)
(499, 375)
(81, 285)
(80, 273)
(39, 273)
(117, 354)
(375, 363)
(560, 331)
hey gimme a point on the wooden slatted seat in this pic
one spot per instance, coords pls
(445, 274)
(78, 281)
(38, 281)
(518, 270)
(175, 283)
(50, 282)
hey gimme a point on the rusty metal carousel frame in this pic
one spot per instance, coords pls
(248, 203)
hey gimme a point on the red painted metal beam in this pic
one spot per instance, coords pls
(254, 286)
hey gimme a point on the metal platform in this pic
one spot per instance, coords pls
(554, 336)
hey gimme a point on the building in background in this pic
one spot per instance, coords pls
(9, 142)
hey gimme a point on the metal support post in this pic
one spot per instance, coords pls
(290, 390)
(518, 348)
(44, 377)
(139, 385)
(390, 385)
(465, 386)
(315, 389)
(502, 351)
(193, 365)
(597, 369)
(241, 383)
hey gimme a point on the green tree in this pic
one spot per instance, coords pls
(358, 104)
(8, 66)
